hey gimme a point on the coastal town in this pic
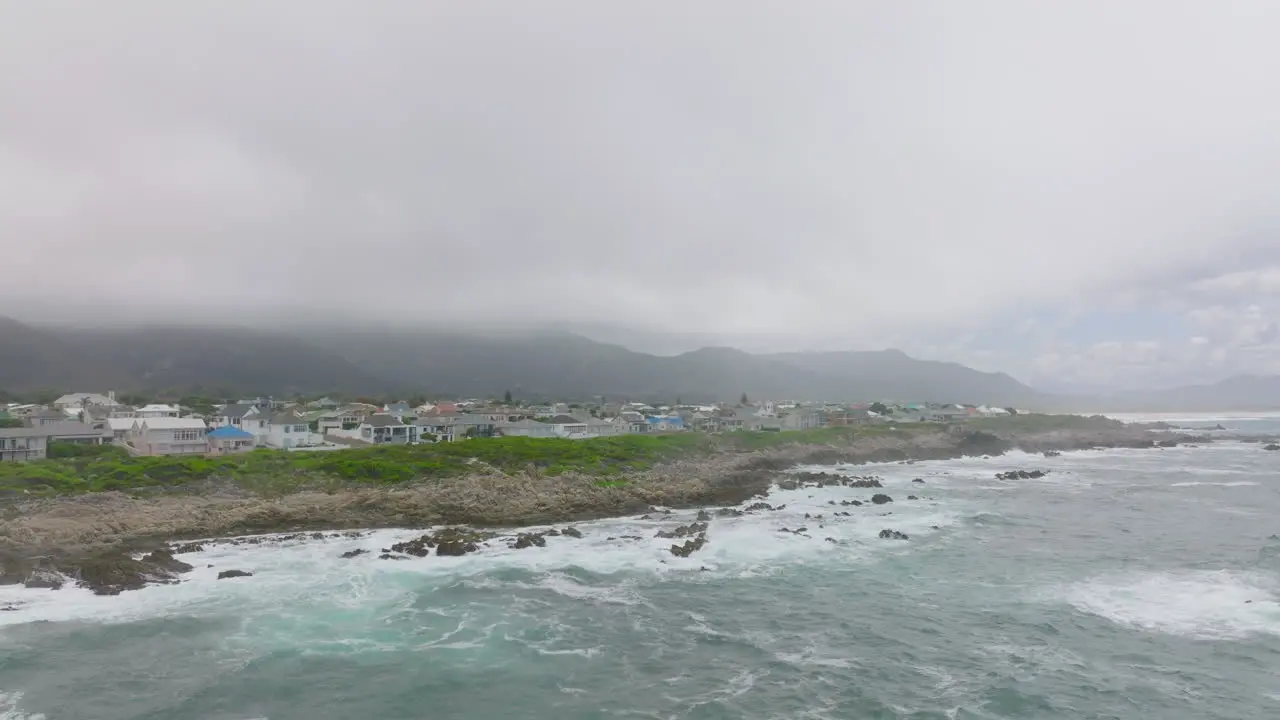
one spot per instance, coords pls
(326, 424)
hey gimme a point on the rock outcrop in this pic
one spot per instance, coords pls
(1021, 474)
(881, 499)
(225, 574)
(893, 535)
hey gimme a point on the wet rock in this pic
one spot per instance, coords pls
(1021, 474)
(389, 556)
(165, 560)
(354, 553)
(571, 532)
(45, 580)
(893, 535)
(918, 480)
(551, 533)
(856, 503)
(1052, 453)
(525, 540)
(646, 517)
(683, 531)
(729, 512)
(912, 497)
(865, 483)
(704, 516)
(189, 548)
(1271, 446)
(233, 574)
(417, 547)
(690, 546)
(317, 536)
(881, 498)
(760, 506)
(788, 484)
(1167, 443)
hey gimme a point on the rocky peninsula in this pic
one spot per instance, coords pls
(111, 540)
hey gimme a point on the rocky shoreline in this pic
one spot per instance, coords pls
(112, 542)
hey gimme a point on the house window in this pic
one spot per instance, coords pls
(300, 428)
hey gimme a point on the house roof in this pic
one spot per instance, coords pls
(565, 420)
(227, 432)
(78, 398)
(22, 432)
(49, 414)
(157, 407)
(383, 420)
(285, 418)
(170, 423)
(526, 423)
(70, 428)
(236, 410)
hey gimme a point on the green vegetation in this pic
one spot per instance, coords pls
(79, 468)
(1033, 422)
(10, 423)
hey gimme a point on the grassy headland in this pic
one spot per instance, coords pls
(74, 469)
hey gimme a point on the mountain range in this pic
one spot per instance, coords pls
(224, 361)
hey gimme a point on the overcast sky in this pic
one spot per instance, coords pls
(1082, 193)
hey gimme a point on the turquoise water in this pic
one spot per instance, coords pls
(1125, 584)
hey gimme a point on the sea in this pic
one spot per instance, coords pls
(1123, 584)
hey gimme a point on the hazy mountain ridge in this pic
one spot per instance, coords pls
(530, 363)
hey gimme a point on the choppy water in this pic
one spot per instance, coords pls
(1126, 584)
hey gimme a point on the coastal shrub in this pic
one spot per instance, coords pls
(276, 471)
(58, 449)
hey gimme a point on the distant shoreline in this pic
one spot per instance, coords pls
(75, 534)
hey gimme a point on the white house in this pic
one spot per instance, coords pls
(157, 410)
(22, 444)
(168, 436)
(233, 415)
(286, 430)
(80, 400)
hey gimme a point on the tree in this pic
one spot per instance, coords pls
(506, 397)
(744, 400)
(10, 423)
(879, 408)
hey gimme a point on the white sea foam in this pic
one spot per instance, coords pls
(303, 572)
(1201, 604)
(1232, 483)
(10, 710)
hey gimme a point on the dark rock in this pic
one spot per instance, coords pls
(704, 516)
(524, 540)
(893, 535)
(189, 548)
(759, 506)
(354, 553)
(389, 556)
(45, 580)
(233, 574)
(865, 483)
(417, 547)
(683, 531)
(918, 480)
(1052, 453)
(1167, 443)
(912, 497)
(571, 532)
(788, 484)
(1271, 446)
(690, 546)
(881, 498)
(1021, 475)
(729, 512)
(551, 533)
(317, 536)
(832, 540)
(165, 560)
(857, 503)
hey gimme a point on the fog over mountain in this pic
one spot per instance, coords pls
(1078, 194)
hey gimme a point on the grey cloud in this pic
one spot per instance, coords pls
(816, 173)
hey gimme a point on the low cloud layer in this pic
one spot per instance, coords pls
(1080, 193)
